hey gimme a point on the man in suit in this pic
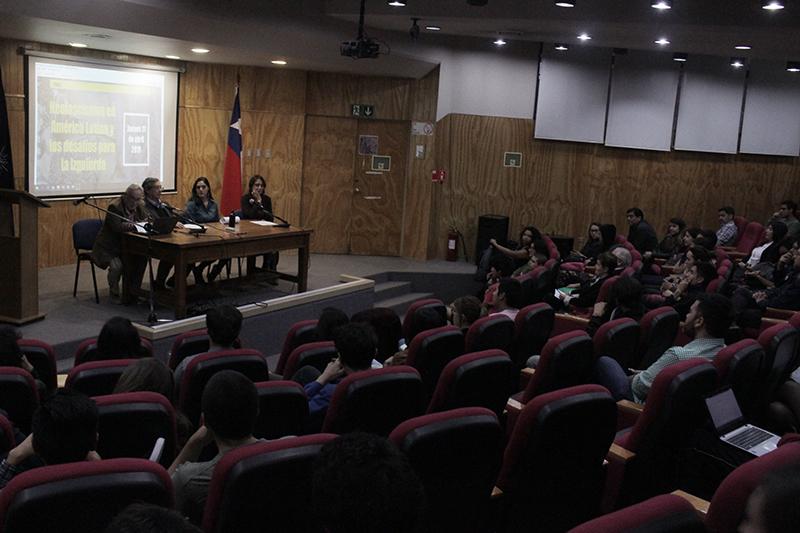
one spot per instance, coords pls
(155, 208)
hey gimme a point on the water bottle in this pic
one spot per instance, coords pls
(232, 220)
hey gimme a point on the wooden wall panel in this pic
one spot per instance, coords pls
(332, 94)
(209, 85)
(273, 90)
(202, 138)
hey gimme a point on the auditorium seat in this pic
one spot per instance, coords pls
(299, 333)
(478, 379)
(247, 361)
(316, 354)
(493, 331)
(741, 224)
(602, 296)
(751, 237)
(6, 435)
(618, 339)
(80, 497)
(532, 327)
(741, 367)
(780, 343)
(553, 473)
(265, 486)
(375, 401)
(666, 513)
(659, 329)
(644, 461)
(97, 378)
(87, 351)
(282, 409)
(536, 285)
(456, 455)
(130, 423)
(18, 396)
(410, 326)
(43, 358)
(552, 249)
(431, 351)
(191, 343)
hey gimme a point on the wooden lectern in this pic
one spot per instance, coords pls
(19, 261)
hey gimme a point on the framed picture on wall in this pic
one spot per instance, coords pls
(367, 144)
(382, 163)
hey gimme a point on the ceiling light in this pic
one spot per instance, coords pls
(561, 47)
(500, 41)
(662, 5)
(793, 66)
(680, 56)
(662, 41)
(79, 45)
(397, 3)
(200, 50)
(737, 62)
(565, 4)
(584, 37)
(278, 62)
(743, 47)
(433, 28)
(172, 57)
(773, 5)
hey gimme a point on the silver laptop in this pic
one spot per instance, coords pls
(730, 425)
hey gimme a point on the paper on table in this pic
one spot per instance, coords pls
(263, 222)
(140, 227)
(195, 227)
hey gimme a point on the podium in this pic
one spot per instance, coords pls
(19, 268)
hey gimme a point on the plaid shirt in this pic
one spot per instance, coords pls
(726, 234)
(7, 472)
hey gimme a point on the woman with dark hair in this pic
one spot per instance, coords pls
(387, 327)
(202, 208)
(759, 269)
(256, 205)
(118, 340)
(624, 301)
(329, 323)
(586, 293)
(529, 237)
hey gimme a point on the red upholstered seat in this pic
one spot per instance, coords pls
(741, 224)
(300, 333)
(375, 401)
(6, 435)
(97, 377)
(87, 350)
(552, 474)
(666, 513)
(493, 331)
(740, 366)
(247, 361)
(566, 360)
(552, 249)
(316, 354)
(751, 237)
(458, 482)
(659, 328)
(410, 326)
(282, 409)
(618, 339)
(264, 486)
(479, 379)
(80, 497)
(18, 396)
(780, 343)
(130, 423)
(43, 358)
(431, 351)
(532, 327)
(191, 343)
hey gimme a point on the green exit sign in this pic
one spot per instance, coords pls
(362, 110)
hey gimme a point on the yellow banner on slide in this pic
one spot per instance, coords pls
(74, 85)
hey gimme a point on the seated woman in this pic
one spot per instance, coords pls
(528, 238)
(749, 304)
(256, 205)
(201, 208)
(624, 301)
(329, 323)
(592, 248)
(117, 340)
(585, 294)
(687, 241)
(760, 266)
(671, 241)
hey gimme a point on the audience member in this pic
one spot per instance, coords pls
(707, 323)
(537, 259)
(330, 320)
(386, 326)
(624, 259)
(10, 352)
(641, 234)
(624, 301)
(707, 239)
(750, 305)
(693, 282)
(769, 251)
(586, 293)
(63, 430)
(224, 324)
(593, 247)
(148, 518)
(363, 484)
(727, 232)
(509, 297)
(788, 215)
(230, 408)
(117, 340)
(773, 506)
(528, 238)
(463, 312)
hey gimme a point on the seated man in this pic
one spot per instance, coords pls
(787, 213)
(727, 232)
(63, 430)
(508, 299)
(155, 208)
(224, 324)
(640, 234)
(693, 282)
(230, 410)
(124, 212)
(707, 323)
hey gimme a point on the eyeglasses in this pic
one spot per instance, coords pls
(201, 186)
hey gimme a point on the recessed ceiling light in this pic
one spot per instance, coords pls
(433, 28)
(793, 66)
(584, 37)
(200, 50)
(680, 56)
(278, 62)
(743, 47)
(662, 5)
(172, 57)
(79, 45)
(397, 3)
(773, 5)
(500, 41)
(561, 47)
(565, 4)
(737, 62)
(662, 41)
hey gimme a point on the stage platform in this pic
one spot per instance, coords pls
(69, 320)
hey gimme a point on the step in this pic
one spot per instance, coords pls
(399, 304)
(392, 289)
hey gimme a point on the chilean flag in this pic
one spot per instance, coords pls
(232, 177)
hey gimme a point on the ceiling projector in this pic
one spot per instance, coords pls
(363, 48)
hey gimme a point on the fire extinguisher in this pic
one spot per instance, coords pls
(452, 245)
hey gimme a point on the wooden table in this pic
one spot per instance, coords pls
(182, 249)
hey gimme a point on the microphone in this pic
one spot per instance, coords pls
(79, 201)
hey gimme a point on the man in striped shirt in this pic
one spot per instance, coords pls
(707, 322)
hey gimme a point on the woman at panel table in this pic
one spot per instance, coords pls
(256, 205)
(202, 208)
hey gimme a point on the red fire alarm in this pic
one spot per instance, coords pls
(438, 175)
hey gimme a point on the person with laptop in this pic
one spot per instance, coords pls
(156, 209)
(708, 320)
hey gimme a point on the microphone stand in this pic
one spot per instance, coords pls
(152, 318)
(284, 224)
